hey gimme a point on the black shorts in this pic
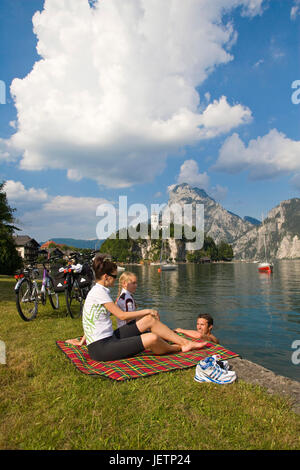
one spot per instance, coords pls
(125, 342)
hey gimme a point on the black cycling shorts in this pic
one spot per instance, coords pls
(125, 342)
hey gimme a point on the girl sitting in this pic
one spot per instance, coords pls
(143, 329)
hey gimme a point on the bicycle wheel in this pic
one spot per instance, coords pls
(53, 296)
(74, 300)
(27, 300)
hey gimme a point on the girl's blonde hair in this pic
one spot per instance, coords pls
(125, 277)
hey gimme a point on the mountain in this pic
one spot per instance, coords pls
(281, 231)
(220, 224)
(91, 244)
(252, 220)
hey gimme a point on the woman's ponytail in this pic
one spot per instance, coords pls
(102, 266)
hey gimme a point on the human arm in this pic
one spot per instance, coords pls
(196, 335)
(192, 333)
(127, 316)
(210, 337)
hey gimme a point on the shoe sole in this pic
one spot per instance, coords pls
(197, 379)
(206, 378)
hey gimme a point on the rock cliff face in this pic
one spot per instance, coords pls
(219, 223)
(173, 249)
(277, 238)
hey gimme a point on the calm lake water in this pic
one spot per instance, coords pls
(256, 315)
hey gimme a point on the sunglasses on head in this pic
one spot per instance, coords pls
(112, 275)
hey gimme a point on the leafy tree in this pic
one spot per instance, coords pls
(225, 251)
(210, 249)
(9, 258)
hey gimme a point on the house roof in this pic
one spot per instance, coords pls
(23, 240)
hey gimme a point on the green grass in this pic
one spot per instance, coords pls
(45, 403)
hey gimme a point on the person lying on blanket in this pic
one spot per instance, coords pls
(203, 329)
(144, 329)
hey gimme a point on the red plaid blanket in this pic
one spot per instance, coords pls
(142, 365)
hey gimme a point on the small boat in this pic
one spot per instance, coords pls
(168, 267)
(265, 267)
(120, 268)
(164, 266)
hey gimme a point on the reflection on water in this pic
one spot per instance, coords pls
(255, 314)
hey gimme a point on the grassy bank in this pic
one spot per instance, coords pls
(45, 403)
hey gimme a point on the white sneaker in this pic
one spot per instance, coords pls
(208, 370)
(223, 364)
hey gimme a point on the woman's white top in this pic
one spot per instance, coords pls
(126, 303)
(96, 319)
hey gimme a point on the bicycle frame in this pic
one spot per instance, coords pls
(45, 282)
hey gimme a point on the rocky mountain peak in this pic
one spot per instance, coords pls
(184, 192)
(280, 230)
(219, 223)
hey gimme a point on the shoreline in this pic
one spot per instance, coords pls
(256, 374)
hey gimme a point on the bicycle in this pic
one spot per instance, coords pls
(78, 282)
(28, 294)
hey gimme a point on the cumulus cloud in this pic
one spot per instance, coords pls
(265, 157)
(42, 215)
(295, 10)
(115, 90)
(189, 173)
(17, 193)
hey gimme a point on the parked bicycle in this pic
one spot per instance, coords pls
(28, 294)
(76, 279)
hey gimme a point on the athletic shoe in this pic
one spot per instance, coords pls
(208, 370)
(223, 364)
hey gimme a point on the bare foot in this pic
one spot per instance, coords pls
(75, 342)
(191, 345)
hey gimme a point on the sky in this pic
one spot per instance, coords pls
(109, 98)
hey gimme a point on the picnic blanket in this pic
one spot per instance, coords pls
(141, 365)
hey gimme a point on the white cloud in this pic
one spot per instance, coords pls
(7, 151)
(295, 10)
(43, 216)
(258, 63)
(189, 173)
(264, 157)
(219, 117)
(115, 90)
(17, 193)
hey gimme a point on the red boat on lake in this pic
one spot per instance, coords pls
(265, 268)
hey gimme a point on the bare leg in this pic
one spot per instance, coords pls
(157, 345)
(165, 333)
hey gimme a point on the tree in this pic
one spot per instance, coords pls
(210, 249)
(9, 258)
(225, 251)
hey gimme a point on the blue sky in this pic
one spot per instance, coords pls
(126, 99)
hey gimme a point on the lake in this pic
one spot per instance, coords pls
(256, 315)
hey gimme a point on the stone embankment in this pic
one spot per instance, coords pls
(273, 383)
